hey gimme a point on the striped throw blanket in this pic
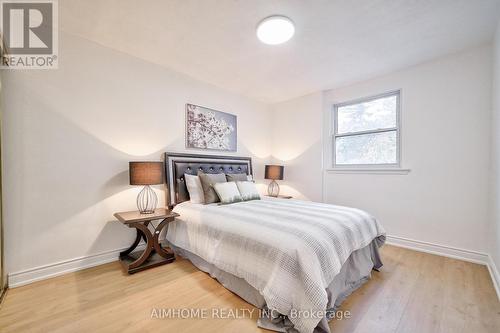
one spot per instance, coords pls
(289, 250)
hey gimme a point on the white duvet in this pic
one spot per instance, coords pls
(289, 250)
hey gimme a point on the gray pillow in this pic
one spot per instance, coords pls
(235, 177)
(248, 190)
(207, 182)
(228, 193)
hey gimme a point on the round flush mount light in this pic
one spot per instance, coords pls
(275, 30)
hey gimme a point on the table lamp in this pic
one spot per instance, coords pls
(146, 173)
(274, 172)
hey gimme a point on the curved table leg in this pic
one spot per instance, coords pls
(156, 244)
(149, 248)
(153, 255)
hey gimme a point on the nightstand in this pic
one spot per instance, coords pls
(281, 196)
(154, 254)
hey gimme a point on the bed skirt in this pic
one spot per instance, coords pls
(354, 272)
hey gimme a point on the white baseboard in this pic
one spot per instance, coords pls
(495, 275)
(440, 250)
(450, 252)
(22, 278)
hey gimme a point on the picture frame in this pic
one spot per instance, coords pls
(209, 129)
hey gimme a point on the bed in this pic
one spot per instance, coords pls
(296, 260)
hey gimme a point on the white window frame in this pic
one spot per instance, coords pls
(334, 134)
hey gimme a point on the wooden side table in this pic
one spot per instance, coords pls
(154, 254)
(281, 196)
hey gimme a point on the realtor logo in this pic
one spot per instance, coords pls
(29, 34)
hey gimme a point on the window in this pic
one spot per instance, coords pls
(366, 132)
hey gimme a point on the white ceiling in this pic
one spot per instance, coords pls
(336, 42)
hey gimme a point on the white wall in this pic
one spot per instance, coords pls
(495, 153)
(297, 145)
(445, 142)
(68, 135)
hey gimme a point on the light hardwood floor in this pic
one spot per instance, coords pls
(414, 292)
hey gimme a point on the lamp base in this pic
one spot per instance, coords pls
(147, 200)
(273, 190)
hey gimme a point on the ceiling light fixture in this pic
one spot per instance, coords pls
(275, 30)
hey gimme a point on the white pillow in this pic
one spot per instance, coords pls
(194, 188)
(228, 192)
(248, 191)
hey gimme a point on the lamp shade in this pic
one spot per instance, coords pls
(146, 173)
(274, 172)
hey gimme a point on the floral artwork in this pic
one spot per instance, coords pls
(210, 129)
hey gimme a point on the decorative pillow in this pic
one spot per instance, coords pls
(248, 190)
(194, 188)
(207, 181)
(228, 192)
(234, 177)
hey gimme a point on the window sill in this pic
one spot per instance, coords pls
(370, 171)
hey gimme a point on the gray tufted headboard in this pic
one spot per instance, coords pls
(176, 165)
